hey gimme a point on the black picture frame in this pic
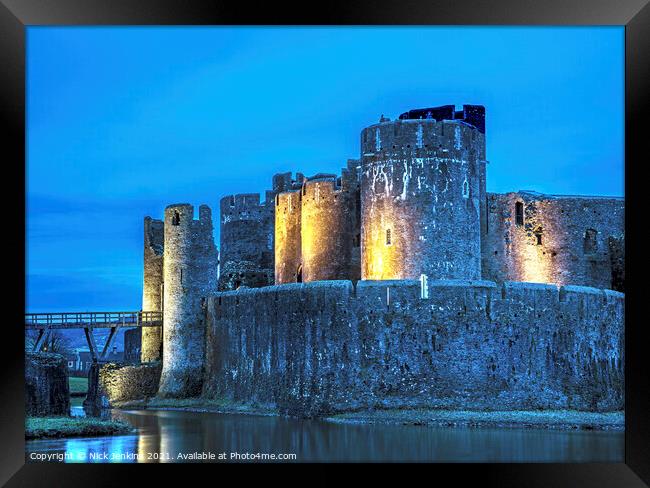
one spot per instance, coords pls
(15, 15)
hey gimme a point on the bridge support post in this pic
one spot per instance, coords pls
(92, 346)
(43, 336)
(109, 341)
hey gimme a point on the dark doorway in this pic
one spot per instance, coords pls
(590, 243)
(299, 274)
(519, 214)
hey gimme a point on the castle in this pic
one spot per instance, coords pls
(393, 270)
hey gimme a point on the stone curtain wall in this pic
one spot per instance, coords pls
(46, 384)
(562, 239)
(111, 382)
(318, 348)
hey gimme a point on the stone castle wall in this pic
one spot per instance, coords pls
(110, 383)
(318, 348)
(246, 241)
(554, 239)
(190, 276)
(133, 345)
(152, 289)
(46, 384)
(422, 189)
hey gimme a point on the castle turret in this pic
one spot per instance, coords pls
(422, 189)
(288, 249)
(329, 228)
(152, 290)
(190, 276)
(246, 241)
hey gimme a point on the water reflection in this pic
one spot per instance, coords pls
(163, 435)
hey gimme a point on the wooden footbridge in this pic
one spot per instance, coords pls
(45, 323)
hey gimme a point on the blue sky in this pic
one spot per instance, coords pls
(123, 121)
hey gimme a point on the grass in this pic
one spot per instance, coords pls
(47, 427)
(77, 401)
(563, 419)
(78, 386)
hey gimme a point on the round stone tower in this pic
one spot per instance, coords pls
(152, 289)
(288, 255)
(422, 195)
(190, 276)
(328, 232)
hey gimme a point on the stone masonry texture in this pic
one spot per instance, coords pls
(46, 384)
(190, 276)
(152, 290)
(557, 239)
(246, 241)
(401, 283)
(421, 194)
(318, 348)
(109, 383)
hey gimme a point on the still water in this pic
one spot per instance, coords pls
(168, 436)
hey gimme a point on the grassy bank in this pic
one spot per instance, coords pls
(45, 427)
(547, 419)
(542, 419)
(78, 386)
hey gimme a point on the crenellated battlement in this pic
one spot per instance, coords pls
(245, 206)
(320, 186)
(473, 115)
(285, 181)
(422, 137)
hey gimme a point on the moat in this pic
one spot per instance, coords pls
(164, 435)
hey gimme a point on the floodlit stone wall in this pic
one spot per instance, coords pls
(554, 239)
(313, 349)
(422, 187)
(152, 290)
(109, 383)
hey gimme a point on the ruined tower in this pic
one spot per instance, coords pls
(190, 276)
(422, 194)
(152, 289)
(246, 241)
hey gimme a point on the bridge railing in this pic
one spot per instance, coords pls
(92, 319)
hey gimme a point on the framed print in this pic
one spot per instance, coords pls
(385, 235)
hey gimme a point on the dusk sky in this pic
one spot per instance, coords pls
(123, 121)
